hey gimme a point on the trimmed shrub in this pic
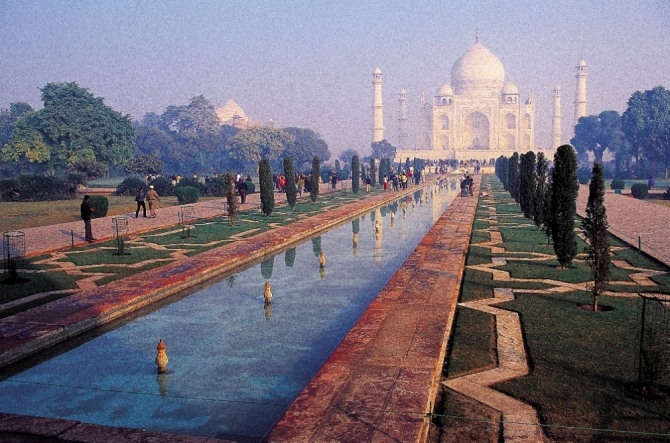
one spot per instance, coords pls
(9, 190)
(100, 205)
(192, 182)
(316, 172)
(639, 190)
(130, 185)
(618, 183)
(584, 176)
(267, 187)
(356, 174)
(187, 194)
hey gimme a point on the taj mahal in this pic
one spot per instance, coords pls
(480, 115)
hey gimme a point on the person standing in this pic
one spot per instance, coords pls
(152, 197)
(139, 198)
(242, 190)
(87, 212)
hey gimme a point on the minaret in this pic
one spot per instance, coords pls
(556, 133)
(402, 120)
(580, 95)
(377, 108)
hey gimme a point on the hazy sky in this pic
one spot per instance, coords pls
(309, 63)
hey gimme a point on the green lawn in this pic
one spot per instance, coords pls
(584, 365)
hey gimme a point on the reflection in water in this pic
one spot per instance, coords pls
(316, 246)
(231, 281)
(267, 266)
(162, 381)
(378, 237)
(322, 273)
(322, 260)
(267, 292)
(267, 307)
(289, 257)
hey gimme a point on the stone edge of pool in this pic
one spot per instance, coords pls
(368, 385)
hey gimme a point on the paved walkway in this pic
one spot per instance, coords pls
(636, 222)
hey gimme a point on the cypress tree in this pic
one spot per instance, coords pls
(564, 189)
(541, 185)
(267, 187)
(231, 198)
(513, 176)
(527, 184)
(291, 189)
(355, 174)
(316, 179)
(373, 171)
(595, 229)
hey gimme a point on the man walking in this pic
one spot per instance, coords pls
(152, 198)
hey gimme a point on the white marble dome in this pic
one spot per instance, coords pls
(509, 88)
(446, 90)
(478, 72)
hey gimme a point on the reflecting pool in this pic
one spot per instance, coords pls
(235, 362)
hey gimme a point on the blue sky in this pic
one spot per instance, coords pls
(310, 63)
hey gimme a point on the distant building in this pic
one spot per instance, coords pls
(232, 114)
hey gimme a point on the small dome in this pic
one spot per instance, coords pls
(509, 88)
(477, 72)
(581, 63)
(445, 90)
(231, 113)
(377, 71)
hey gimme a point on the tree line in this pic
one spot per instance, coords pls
(75, 132)
(638, 139)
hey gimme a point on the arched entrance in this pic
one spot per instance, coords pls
(476, 131)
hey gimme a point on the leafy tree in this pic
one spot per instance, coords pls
(267, 186)
(144, 165)
(527, 184)
(598, 133)
(89, 168)
(564, 190)
(291, 190)
(596, 231)
(541, 189)
(383, 149)
(199, 116)
(646, 123)
(513, 176)
(373, 171)
(27, 146)
(315, 179)
(347, 155)
(8, 117)
(257, 143)
(304, 145)
(355, 174)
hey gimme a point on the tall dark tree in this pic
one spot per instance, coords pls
(355, 174)
(373, 171)
(291, 189)
(315, 180)
(541, 189)
(384, 169)
(564, 190)
(527, 184)
(513, 176)
(267, 186)
(596, 232)
(231, 198)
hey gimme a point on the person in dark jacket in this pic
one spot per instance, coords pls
(242, 190)
(86, 215)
